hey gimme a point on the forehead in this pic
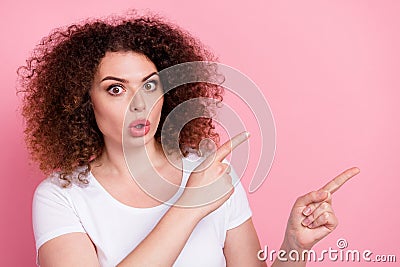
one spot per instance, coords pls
(128, 65)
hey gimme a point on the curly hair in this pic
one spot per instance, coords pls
(61, 131)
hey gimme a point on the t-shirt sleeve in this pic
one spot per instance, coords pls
(53, 213)
(239, 209)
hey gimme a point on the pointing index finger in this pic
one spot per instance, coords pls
(230, 145)
(339, 180)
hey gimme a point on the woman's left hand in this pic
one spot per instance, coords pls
(312, 217)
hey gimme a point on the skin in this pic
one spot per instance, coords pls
(311, 218)
(112, 100)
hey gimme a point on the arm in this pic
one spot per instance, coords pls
(160, 248)
(311, 219)
(298, 236)
(167, 239)
(242, 245)
(169, 236)
(73, 249)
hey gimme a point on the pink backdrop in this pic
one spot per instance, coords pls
(329, 70)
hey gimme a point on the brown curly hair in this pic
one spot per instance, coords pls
(61, 131)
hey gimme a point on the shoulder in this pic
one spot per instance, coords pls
(50, 185)
(54, 187)
(50, 191)
(54, 210)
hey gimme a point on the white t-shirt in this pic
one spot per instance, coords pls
(116, 229)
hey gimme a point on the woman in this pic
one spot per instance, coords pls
(93, 97)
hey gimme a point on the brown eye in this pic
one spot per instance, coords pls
(150, 86)
(115, 90)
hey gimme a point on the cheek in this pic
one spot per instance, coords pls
(160, 104)
(109, 118)
(156, 112)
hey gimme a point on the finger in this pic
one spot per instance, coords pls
(229, 178)
(313, 206)
(227, 168)
(206, 147)
(312, 197)
(326, 219)
(224, 168)
(230, 145)
(339, 180)
(323, 207)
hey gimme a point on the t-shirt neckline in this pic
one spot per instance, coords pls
(154, 208)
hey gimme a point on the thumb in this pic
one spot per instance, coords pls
(312, 197)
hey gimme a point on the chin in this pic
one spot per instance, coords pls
(131, 141)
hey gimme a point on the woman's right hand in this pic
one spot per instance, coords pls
(210, 184)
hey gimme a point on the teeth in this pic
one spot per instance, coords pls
(139, 126)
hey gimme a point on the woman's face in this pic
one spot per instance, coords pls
(127, 98)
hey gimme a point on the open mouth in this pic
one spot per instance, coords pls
(139, 127)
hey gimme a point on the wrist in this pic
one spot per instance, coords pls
(189, 214)
(290, 254)
(292, 242)
(288, 244)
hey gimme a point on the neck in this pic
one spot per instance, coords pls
(113, 159)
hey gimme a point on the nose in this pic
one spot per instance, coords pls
(137, 103)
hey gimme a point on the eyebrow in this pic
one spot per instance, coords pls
(126, 81)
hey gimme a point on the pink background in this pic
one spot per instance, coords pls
(329, 70)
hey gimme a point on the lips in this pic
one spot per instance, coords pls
(139, 127)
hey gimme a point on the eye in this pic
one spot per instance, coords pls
(115, 89)
(150, 86)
